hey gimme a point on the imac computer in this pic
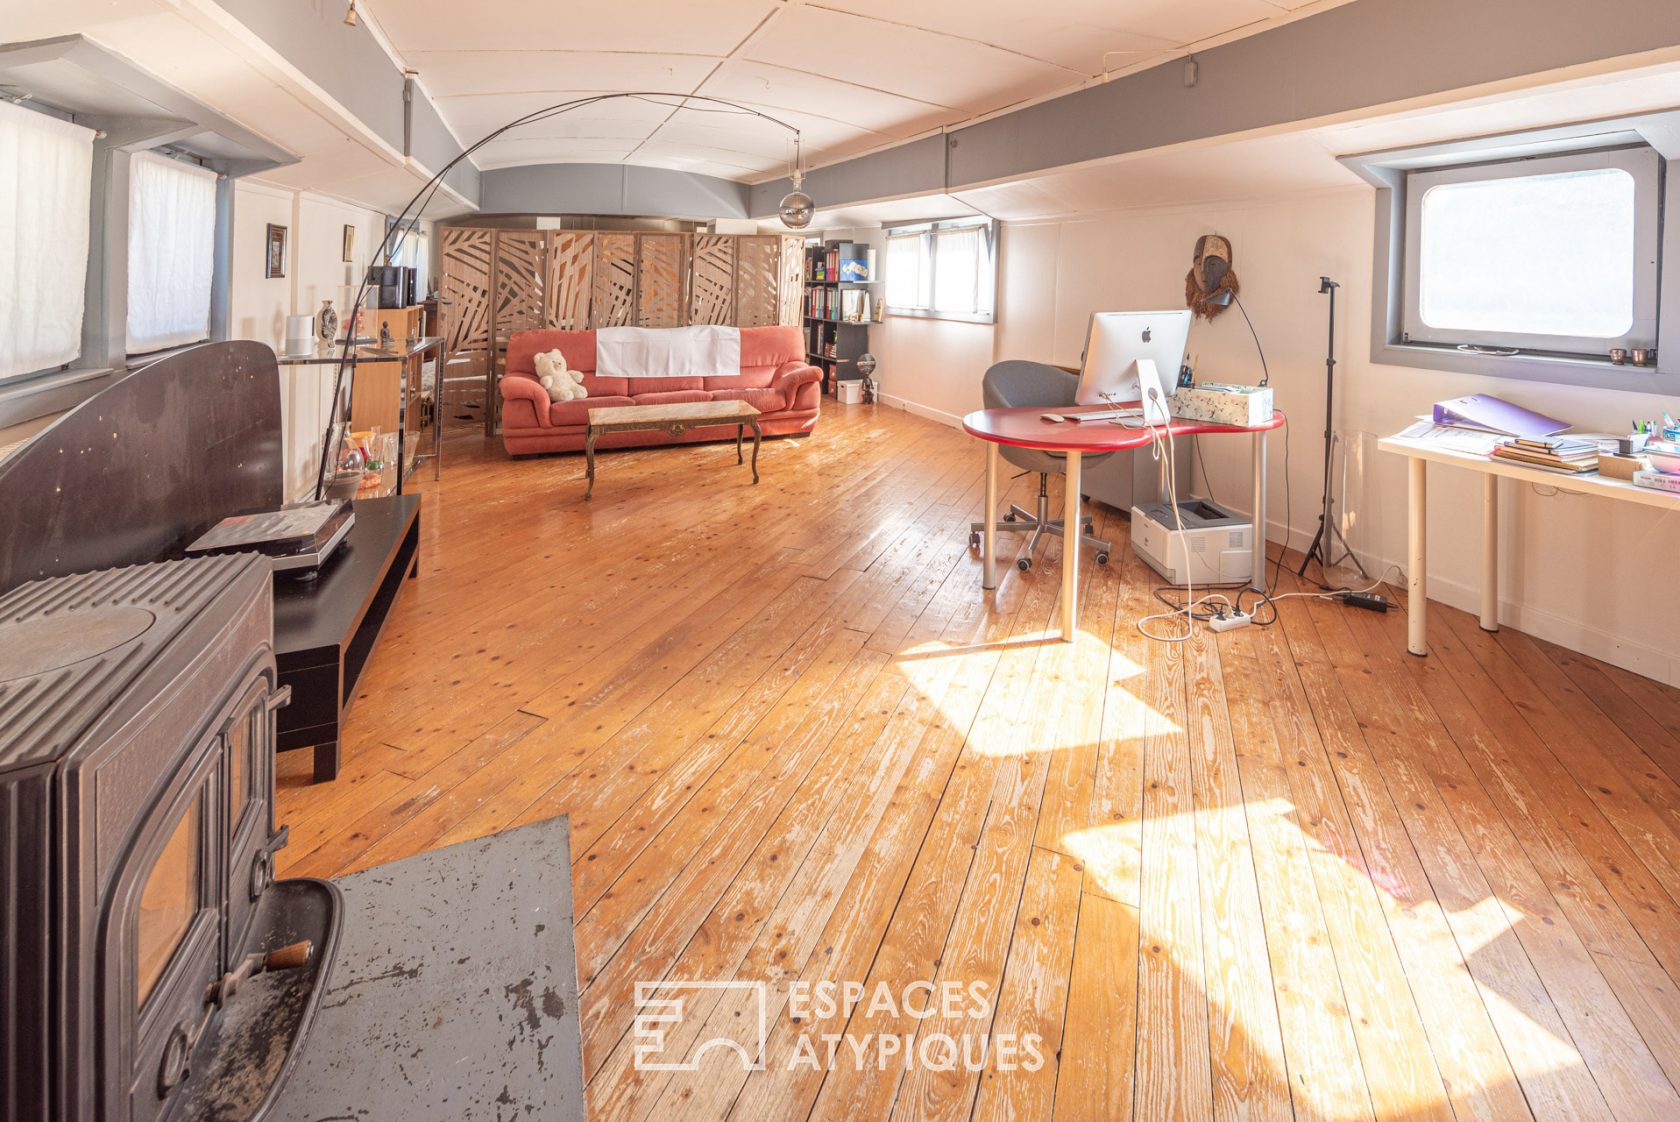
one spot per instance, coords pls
(1127, 354)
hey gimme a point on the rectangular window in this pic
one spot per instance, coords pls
(943, 270)
(171, 252)
(1554, 254)
(46, 180)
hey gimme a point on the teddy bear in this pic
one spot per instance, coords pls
(562, 384)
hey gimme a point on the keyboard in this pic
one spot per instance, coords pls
(1106, 415)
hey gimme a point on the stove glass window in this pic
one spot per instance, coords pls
(169, 902)
(238, 752)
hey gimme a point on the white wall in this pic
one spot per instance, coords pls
(1580, 572)
(315, 271)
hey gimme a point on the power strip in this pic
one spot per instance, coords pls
(1230, 622)
(1370, 601)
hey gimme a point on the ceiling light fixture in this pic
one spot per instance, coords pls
(350, 15)
(796, 210)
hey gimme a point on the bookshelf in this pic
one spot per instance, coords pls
(841, 299)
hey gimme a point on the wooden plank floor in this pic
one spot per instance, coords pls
(1287, 872)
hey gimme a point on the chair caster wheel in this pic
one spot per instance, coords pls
(1023, 563)
(974, 540)
(1102, 558)
(1009, 517)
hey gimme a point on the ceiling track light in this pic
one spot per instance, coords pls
(350, 15)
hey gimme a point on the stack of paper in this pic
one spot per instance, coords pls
(1451, 438)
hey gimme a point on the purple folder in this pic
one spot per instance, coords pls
(1484, 411)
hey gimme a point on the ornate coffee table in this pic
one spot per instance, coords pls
(673, 420)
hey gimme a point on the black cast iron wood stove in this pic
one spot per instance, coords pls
(151, 968)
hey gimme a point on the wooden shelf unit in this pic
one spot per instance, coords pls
(834, 342)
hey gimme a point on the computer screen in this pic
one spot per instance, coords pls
(1115, 344)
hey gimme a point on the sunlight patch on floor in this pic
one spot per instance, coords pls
(1113, 855)
(928, 667)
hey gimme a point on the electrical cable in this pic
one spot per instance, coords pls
(1212, 497)
(1265, 374)
(1178, 516)
(1242, 588)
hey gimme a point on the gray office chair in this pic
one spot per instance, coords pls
(1019, 382)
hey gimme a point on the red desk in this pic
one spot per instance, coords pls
(1025, 427)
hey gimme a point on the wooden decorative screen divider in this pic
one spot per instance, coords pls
(615, 281)
(758, 275)
(498, 282)
(792, 295)
(661, 280)
(465, 285)
(521, 272)
(711, 283)
(571, 272)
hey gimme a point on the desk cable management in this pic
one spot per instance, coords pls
(1215, 604)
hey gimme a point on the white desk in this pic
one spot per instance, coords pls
(1420, 454)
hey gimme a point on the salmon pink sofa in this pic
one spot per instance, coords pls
(774, 377)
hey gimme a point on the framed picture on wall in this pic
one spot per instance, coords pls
(274, 261)
(349, 244)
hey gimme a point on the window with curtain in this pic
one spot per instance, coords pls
(413, 250)
(46, 177)
(943, 270)
(171, 252)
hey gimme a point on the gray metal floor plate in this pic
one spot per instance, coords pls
(454, 994)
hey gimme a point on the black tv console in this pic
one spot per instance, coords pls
(325, 629)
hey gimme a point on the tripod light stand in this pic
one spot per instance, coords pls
(1329, 536)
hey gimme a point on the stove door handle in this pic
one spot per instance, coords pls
(279, 699)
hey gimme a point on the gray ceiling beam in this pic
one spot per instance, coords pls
(614, 189)
(1358, 56)
(349, 64)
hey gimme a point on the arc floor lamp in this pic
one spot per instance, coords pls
(796, 211)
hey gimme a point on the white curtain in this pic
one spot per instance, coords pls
(907, 271)
(171, 252)
(46, 174)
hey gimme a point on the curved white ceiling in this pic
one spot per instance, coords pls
(852, 75)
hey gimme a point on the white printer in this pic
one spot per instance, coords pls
(1215, 546)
